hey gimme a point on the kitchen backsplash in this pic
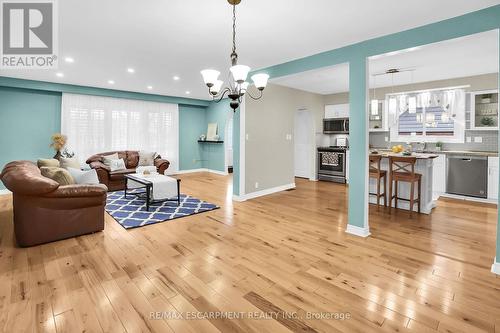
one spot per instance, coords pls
(490, 141)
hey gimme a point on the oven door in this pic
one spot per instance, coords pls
(331, 165)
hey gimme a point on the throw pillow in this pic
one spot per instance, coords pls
(118, 164)
(60, 175)
(106, 159)
(47, 162)
(70, 163)
(146, 158)
(84, 177)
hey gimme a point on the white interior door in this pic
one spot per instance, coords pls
(303, 143)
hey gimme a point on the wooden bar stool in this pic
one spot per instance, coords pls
(402, 169)
(378, 174)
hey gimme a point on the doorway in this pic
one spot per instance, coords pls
(303, 144)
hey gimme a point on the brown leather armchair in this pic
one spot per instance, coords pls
(115, 180)
(44, 211)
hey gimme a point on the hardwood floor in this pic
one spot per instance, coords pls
(285, 255)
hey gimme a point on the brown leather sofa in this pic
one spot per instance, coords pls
(44, 211)
(115, 180)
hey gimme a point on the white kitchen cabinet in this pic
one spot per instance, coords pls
(336, 111)
(484, 110)
(493, 178)
(439, 176)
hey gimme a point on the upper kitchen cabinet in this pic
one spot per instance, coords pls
(378, 116)
(336, 111)
(484, 110)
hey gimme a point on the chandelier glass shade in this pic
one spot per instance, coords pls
(237, 81)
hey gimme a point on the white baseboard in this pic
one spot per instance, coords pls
(262, 193)
(495, 268)
(357, 231)
(222, 173)
(4, 192)
(466, 198)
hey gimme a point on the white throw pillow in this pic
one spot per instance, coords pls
(84, 177)
(146, 158)
(117, 165)
(106, 159)
(69, 163)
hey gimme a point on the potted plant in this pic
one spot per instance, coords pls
(58, 143)
(439, 146)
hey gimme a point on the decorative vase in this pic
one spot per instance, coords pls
(58, 155)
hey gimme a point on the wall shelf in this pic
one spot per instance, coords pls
(209, 141)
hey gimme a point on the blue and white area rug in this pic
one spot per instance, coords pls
(131, 212)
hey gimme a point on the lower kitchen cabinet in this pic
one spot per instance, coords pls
(439, 176)
(493, 178)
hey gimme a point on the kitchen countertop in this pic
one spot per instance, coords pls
(419, 156)
(450, 152)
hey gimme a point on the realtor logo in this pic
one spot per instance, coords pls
(29, 34)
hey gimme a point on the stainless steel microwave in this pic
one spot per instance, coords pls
(336, 126)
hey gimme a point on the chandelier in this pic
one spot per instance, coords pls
(237, 86)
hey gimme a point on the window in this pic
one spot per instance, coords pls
(427, 116)
(98, 124)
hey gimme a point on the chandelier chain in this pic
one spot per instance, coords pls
(234, 28)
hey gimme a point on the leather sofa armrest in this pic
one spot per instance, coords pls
(78, 191)
(99, 165)
(161, 165)
(102, 171)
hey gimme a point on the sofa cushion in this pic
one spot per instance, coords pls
(107, 159)
(117, 165)
(146, 158)
(120, 174)
(60, 175)
(47, 162)
(84, 177)
(70, 163)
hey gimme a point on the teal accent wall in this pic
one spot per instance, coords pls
(28, 118)
(236, 152)
(498, 204)
(214, 154)
(192, 123)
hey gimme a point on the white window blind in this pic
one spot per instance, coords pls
(96, 124)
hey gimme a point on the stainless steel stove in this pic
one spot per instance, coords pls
(332, 163)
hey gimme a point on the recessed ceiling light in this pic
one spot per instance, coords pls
(176, 78)
(69, 59)
(130, 70)
(111, 82)
(188, 92)
(59, 74)
(150, 87)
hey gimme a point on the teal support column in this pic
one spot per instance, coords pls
(495, 268)
(358, 145)
(236, 153)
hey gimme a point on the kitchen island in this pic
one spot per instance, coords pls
(423, 166)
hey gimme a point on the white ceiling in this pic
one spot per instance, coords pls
(461, 57)
(160, 38)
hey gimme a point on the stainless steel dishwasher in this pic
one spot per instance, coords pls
(467, 175)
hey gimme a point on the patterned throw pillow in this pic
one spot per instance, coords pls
(60, 175)
(146, 158)
(118, 164)
(108, 158)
